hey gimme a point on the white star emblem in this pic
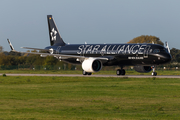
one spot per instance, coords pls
(53, 35)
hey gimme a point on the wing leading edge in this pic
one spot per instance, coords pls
(60, 56)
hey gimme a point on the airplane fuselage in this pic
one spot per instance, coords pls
(119, 54)
(144, 57)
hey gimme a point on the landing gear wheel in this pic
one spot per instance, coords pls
(123, 72)
(89, 73)
(85, 73)
(154, 73)
(120, 72)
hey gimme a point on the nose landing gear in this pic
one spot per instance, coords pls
(154, 73)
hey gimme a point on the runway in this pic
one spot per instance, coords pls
(79, 75)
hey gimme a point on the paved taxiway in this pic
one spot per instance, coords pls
(79, 75)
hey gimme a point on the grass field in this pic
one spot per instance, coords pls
(128, 72)
(87, 98)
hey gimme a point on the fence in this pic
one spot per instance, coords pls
(37, 67)
(77, 67)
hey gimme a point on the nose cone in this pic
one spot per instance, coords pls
(167, 58)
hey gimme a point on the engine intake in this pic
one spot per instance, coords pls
(143, 69)
(91, 65)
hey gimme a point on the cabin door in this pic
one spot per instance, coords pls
(146, 51)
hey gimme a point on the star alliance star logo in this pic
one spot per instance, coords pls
(53, 34)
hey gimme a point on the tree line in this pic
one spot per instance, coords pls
(175, 53)
(9, 59)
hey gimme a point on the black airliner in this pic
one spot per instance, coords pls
(144, 57)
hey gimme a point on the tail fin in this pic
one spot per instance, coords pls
(55, 37)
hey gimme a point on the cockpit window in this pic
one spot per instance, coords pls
(164, 50)
(156, 51)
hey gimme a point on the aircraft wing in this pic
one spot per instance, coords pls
(63, 56)
(60, 56)
(35, 48)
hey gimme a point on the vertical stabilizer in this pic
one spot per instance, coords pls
(55, 37)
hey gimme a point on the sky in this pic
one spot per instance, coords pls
(24, 22)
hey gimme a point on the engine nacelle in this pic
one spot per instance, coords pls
(143, 69)
(91, 65)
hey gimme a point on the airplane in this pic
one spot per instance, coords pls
(92, 57)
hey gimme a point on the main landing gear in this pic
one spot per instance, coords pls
(120, 72)
(86, 73)
(154, 73)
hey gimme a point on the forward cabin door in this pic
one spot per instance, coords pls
(146, 51)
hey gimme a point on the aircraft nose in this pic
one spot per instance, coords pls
(168, 57)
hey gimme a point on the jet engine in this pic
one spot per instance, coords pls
(91, 65)
(143, 69)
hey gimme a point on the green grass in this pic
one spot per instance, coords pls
(89, 98)
(102, 72)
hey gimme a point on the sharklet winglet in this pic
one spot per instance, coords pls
(11, 46)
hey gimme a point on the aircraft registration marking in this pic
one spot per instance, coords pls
(135, 58)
